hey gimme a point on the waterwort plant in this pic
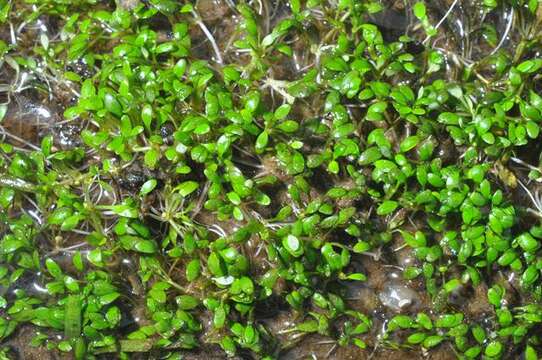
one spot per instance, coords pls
(291, 178)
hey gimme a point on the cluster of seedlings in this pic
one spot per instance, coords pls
(270, 179)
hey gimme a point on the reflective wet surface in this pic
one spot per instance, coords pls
(467, 38)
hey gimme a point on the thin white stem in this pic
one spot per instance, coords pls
(533, 199)
(259, 249)
(201, 199)
(218, 230)
(15, 137)
(246, 163)
(450, 9)
(209, 36)
(331, 351)
(67, 249)
(32, 202)
(80, 232)
(12, 34)
(527, 165)
(506, 31)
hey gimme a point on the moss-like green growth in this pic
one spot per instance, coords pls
(270, 179)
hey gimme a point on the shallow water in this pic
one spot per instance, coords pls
(36, 109)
